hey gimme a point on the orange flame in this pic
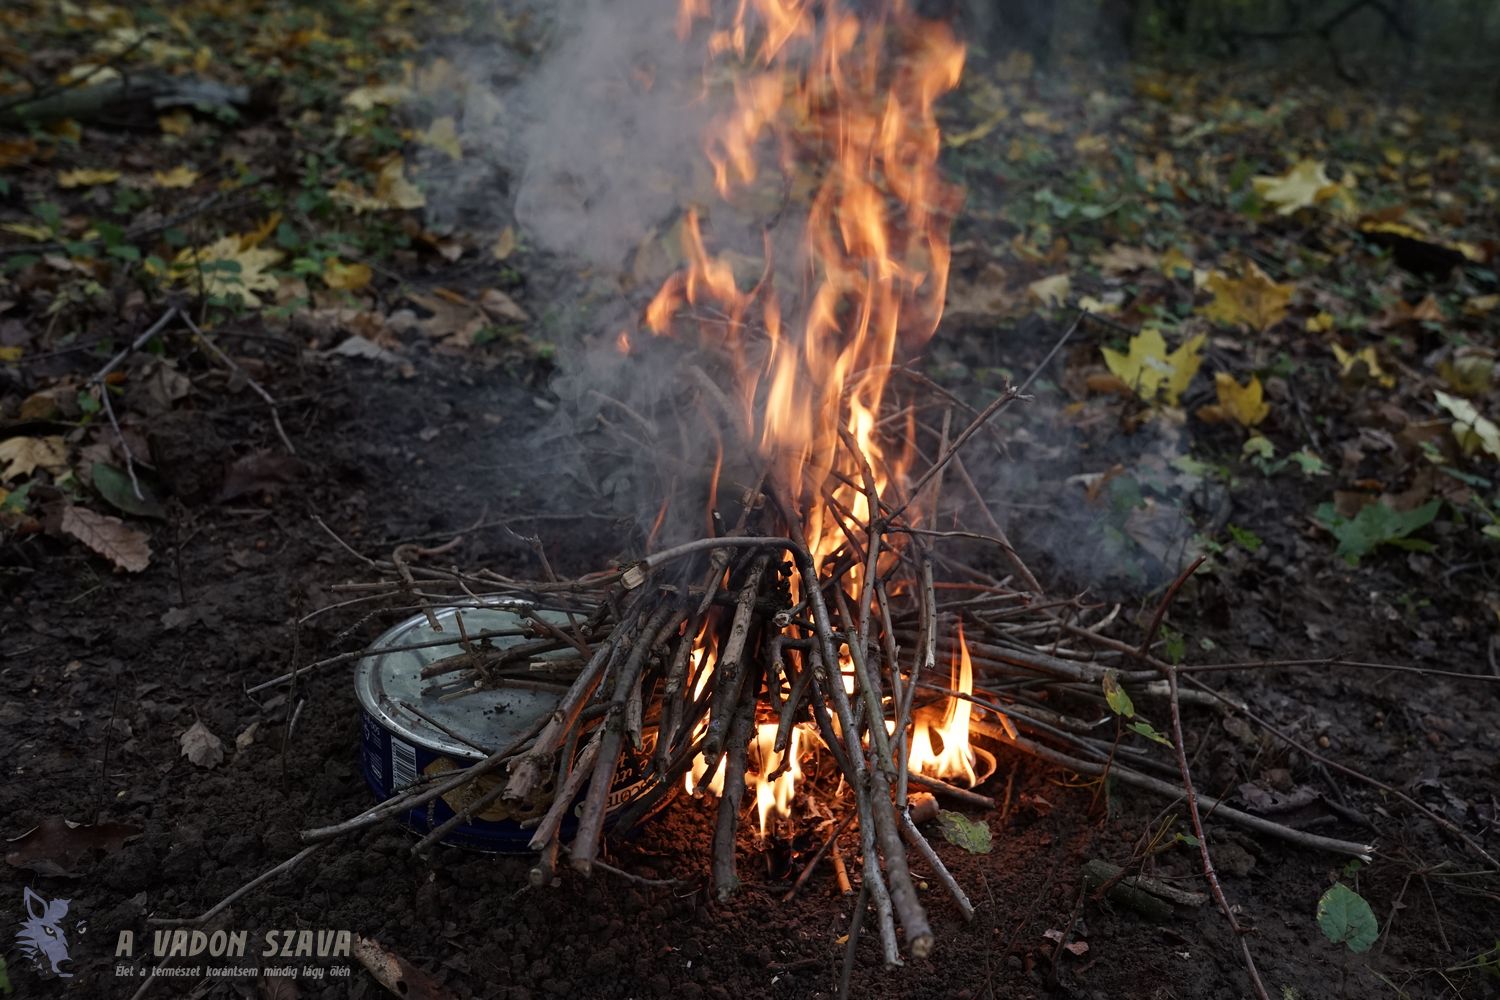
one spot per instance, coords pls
(852, 98)
(956, 759)
(845, 101)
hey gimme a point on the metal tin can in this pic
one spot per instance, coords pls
(410, 732)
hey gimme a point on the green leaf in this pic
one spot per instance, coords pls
(1119, 701)
(4, 979)
(1375, 525)
(15, 502)
(1144, 728)
(1245, 538)
(1188, 839)
(1310, 464)
(114, 485)
(961, 831)
(1346, 918)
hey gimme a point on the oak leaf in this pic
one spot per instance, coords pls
(109, 536)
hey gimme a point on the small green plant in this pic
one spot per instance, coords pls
(1345, 918)
(1376, 525)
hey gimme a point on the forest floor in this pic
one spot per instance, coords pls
(1290, 373)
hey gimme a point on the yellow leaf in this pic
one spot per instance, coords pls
(1482, 305)
(1321, 323)
(1151, 371)
(1303, 186)
(86, 178)
(505, 244)
(1241, 403)
(205, 265)
(1174, 261)
(38, 233)
(1471, 430)
(177, 177)
(1050, 292)
(24, 455)
(176, 122)
(443, 134)
(1364, 356)
(367, 98)
(11, 353)
(1253, 300)
(260, 233)
(392, 191)
(346, 277)
(1468, 374)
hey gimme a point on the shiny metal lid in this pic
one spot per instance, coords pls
(391, 688)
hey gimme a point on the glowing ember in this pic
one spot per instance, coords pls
(956, 759)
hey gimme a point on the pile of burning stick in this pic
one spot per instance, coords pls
(713, 656)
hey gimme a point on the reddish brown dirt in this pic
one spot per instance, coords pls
(89, 672)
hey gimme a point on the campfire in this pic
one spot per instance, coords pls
(818, 625)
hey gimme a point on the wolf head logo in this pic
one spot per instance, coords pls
(41, 937)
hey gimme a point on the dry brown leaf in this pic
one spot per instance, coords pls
(201, 746)
(23, 455)
(501, 306)
(110, 537)
(396, 973)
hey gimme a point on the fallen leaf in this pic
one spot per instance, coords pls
(115, 487)
(1051, 292)
(1349, 362)
(1468, 373)
(1321, 323)
(501, 306)
(961, 831)
(202, 747)
(362, 347)
(247, 737)
(1303, 186)
(1120, 259)
(1471, 430)
(443, 134)
(58, 843)
(176, 122)
(228, 267)
(378, 95)
(37, 234)
(345, 277)
(1150, 370)
(392, 191)
(395, 973)
(505, 244)
(24, 455)
(14, 152)
(1253, 300)
(86, 178)
(110, 537)
(177, 177)
(1242, 404)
